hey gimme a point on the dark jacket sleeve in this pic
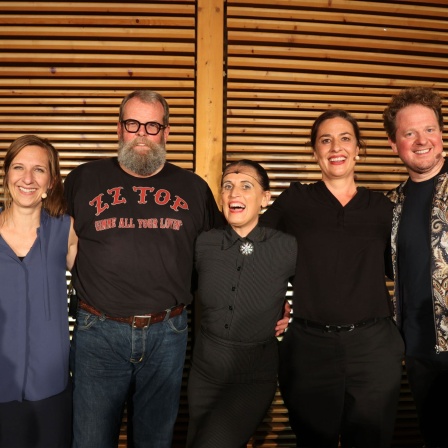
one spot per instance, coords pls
(388, 261)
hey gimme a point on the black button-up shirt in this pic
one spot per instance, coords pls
(242, 294)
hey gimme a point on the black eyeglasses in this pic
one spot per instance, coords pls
(151, 128)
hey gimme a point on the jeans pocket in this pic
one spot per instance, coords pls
(179, 324)
(85, 320)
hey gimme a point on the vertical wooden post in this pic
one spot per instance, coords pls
(209, 102)
(210, 88)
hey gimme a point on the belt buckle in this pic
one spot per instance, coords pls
(346, 328)
(338, 328)
(141, 317)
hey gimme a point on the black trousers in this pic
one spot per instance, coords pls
(342, 384)
(230, 389)
(37, 424)
(429, 386)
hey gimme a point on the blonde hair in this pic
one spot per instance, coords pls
(54, 203)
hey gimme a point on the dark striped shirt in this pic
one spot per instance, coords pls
(242, 295)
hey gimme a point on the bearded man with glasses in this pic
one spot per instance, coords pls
(137, 217)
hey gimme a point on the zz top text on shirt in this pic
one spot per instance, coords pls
(161, 197)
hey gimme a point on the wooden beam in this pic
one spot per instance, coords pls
(209, 106)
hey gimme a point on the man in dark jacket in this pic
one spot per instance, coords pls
(414, 123)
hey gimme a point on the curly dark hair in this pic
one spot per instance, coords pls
(424, 96)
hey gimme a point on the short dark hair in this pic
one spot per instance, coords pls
(336, 113)
(262, 175)
(423, 96)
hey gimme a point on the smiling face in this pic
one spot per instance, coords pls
(139, 153)
(242, 198)
(28, 177)
(418, 141)
(336, 148)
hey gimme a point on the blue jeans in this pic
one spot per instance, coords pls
(111, 359)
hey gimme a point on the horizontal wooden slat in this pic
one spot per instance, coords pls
(379, 8)
(130, 48)
(277, 76)
(86, 112)
(294, 86)
(300, 65)
(176, 8)
(329, 44)
(311, 34)
(284, 16)
(99, 84)
(53, 59)
(139, 20)
(100, 73)
(390, 52)
(174, 95)
(97, 32)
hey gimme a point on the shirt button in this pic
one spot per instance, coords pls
(226, 326)
(238, 268)
(230, 307)
(233, 288)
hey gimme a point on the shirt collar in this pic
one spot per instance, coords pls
(230, 237)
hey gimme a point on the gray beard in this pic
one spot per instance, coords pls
(143, 164)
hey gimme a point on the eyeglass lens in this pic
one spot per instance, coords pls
(151, 128)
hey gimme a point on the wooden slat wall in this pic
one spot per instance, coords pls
(288, 61)
(65, 67)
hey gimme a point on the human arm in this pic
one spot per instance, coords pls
(72, 246)
(283, 323)
(274, 216)
(290, 256)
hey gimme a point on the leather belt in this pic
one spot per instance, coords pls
(334, 328)
(141, 321)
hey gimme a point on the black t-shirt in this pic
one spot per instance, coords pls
(136, 235)
(340, 273)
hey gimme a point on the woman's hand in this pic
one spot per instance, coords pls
(283, 323)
